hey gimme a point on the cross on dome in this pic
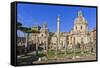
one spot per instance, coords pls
(80, 13)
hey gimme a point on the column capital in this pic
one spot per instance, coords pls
(58, 18)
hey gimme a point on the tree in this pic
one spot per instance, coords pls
(36, 29)
(27, 31)
(18, 25)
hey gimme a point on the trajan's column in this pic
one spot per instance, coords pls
(58, 31)
(58, 36)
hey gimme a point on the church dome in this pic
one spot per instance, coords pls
(80, 19)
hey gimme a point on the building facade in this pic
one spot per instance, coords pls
(60, 40)
(79, 32)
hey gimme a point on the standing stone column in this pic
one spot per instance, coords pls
(58, 34)
(58, 30)
(65, 44)
(36, 45)
(26, 43)
(26, 40)
(44, 45)
(47, 47)
(73, 44)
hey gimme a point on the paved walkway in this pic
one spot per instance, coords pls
(66, 60)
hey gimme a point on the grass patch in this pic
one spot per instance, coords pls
(69, 53)
(51, 53)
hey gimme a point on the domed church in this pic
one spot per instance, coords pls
(79, 33)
